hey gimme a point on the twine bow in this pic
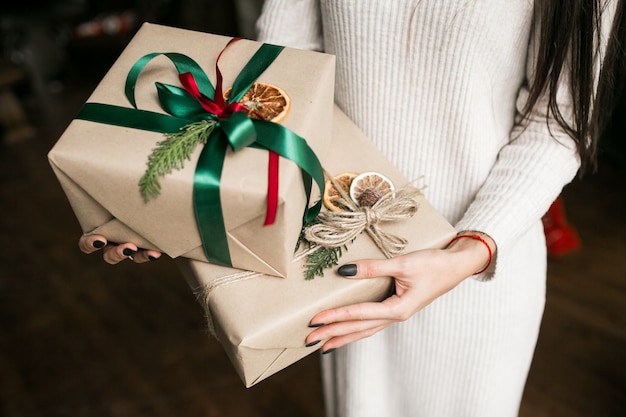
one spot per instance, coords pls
(334, 229)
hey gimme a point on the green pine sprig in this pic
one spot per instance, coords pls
(171, 153)
(321, 259)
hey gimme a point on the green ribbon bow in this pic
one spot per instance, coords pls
(232, 128)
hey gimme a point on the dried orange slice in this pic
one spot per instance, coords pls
(265, 101)
(369, 187)
(331, 195)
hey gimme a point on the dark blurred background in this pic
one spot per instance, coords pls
(82, 338)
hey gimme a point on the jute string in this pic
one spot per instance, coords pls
(204, 293)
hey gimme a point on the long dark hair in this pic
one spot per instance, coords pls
(569, 33)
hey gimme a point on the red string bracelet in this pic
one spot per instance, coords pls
(480, 239)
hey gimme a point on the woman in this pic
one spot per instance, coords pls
(492, 102)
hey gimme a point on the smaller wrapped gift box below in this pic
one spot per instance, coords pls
(262, 321)
(99, 164)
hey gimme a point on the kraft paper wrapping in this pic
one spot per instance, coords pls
(262, 321)
(99, 165)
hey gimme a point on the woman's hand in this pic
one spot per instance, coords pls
(420, 277)
(113, 253)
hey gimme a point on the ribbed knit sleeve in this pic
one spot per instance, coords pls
(292, 23)
(539, 159)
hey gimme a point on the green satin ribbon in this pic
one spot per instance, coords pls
(237, 132)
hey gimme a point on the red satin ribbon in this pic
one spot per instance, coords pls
(272, 189)
(218, 107)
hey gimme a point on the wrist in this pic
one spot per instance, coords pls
(477, 247)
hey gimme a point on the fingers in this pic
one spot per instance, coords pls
(393, 308)
(341, 334)
(375, 268)
(344, 325)
(419, 278)
(143, 256)
(113, 253)
(91, 243)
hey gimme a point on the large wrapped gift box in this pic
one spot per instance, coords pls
(262, 321)
(99, 164)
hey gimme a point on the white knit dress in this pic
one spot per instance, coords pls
(436, 85)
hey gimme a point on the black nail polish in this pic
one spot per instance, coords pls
(328, 351)
(314, 325)
(98, 244)
(348, 270)
(152, 258)
(128, 252)
(312, 343)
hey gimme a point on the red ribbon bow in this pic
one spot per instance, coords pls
(223, 110)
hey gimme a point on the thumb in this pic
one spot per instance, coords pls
(370, 268)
